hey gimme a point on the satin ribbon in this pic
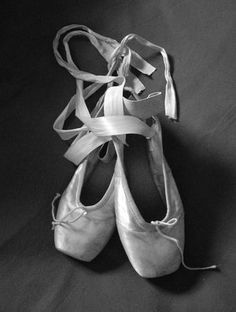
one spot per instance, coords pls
(105, 46)
(110, 49)
(170, 98)
(102, 129)
(113, 123)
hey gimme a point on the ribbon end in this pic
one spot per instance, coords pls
(170, 102)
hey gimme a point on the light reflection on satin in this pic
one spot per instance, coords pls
(154, 249)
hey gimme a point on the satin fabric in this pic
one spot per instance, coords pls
(84, 238)
(156, 248)
(82, 231)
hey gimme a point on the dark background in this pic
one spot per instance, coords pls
(200, 38)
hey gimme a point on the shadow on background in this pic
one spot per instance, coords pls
(201, 179)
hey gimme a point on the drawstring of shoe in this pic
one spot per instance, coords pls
(172, 222)
(65, 219)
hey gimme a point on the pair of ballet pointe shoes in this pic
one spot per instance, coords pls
(153, 248)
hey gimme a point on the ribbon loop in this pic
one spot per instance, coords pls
(114, 115)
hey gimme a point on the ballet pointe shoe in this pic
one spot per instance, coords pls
(154, 248)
